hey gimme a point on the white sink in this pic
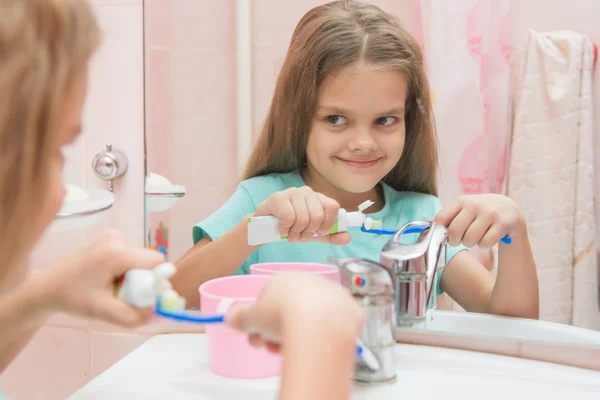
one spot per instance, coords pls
(473, 324)
(176, 367)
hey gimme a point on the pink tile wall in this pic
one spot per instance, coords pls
(190, 95)
(55, 363)
(108, 348)
(159, 111)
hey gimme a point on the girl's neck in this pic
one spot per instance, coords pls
(346, 200)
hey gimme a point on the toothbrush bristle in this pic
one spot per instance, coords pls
(376, 224)
(171, 301)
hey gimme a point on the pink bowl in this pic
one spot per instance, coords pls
(327, 271)
(230, 353)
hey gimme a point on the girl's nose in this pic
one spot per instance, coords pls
(363, 140)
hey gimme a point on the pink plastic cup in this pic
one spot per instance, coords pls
(230, 353)
(330, 272)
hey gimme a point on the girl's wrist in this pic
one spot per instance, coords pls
(36, 298)
(43, 293)
(520, 229)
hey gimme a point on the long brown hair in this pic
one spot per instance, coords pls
(330, 37)
(44, 45)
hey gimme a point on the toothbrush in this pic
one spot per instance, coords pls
(186, 317)
(362, 352)
(414, 229)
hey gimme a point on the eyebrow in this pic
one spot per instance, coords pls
(338, 110)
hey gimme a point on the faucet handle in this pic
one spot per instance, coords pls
(414, 267)
(364, 278)
(432, 238)
(410, 251)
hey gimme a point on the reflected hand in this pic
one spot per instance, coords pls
(302, 213)
(82, 283)
(480, 220)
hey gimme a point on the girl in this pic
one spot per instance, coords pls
(351, 121)
(45, 47)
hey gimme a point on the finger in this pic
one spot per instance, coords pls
(127, 258)
(476, 231)
(338, 239)
(447, 214)
(491, 237)
(274, 348)
(283, 209)
(459, 225)
(120, 313)
(316, 214)
(302, 218)
(256, 340)
(239, 317)
(331, 209)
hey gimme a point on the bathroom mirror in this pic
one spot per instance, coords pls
(210, 71)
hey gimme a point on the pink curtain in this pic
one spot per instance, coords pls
(467, 45)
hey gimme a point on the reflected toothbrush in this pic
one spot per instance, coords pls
(413, 229)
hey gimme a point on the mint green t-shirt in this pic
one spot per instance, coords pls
(399, 208)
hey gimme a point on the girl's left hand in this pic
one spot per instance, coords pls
(481, 220)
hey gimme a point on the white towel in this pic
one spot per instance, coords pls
(551, 173)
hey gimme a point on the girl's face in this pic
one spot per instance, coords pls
(68, 130)
(358, 131)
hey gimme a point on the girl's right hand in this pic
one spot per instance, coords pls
(302, 213)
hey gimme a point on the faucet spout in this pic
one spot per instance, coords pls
(413, 268)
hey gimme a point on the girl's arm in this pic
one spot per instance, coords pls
(515, 291)
(211, 259)
(318, 354)
(22, 313)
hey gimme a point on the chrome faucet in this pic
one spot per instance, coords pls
(373, 288)
(394, 293)
(413, 269)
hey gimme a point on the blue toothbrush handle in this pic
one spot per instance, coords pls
(415, 229)
(506, 239)
(186, 317)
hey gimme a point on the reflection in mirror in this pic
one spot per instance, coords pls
(211, 76)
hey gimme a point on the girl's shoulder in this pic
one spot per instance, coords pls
(260, 188)
(412, 205)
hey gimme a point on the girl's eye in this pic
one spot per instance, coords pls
(386, 121)
(336, 120)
